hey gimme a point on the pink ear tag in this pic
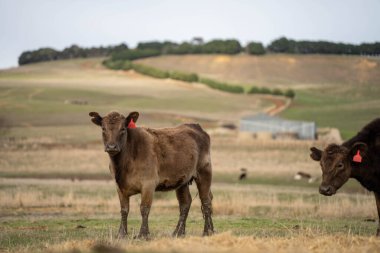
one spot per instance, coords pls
(357, 158)
(131, 124)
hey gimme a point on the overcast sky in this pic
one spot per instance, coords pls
(31, 24)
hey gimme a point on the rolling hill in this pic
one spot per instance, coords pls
(334, 91)
(63, 92)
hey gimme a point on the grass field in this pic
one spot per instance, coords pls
(56, 194)
(334, 91)
(57, 215)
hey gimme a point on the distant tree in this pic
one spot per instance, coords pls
(222, 47)
(282, 45)
(277, 92)
(73, 52)
(254, 90)
(265, 90)
(255, 48)
(290, 93)
(154, 45)
(40, 55)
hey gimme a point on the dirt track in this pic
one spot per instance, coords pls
(280, 104)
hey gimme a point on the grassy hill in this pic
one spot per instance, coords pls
(41, 94)
(335, 91)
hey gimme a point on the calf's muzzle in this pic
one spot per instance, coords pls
(112, 149)
(326, 190)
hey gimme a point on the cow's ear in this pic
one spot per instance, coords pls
(95, 118)
(132, 115)
(359, 149)
(316, 154)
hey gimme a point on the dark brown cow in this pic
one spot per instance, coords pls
(144, 160)
(357, 158)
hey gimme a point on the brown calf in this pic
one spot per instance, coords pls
(144, 160)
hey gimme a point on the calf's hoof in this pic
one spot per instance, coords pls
(122, 234)
(143, 236)
(378, 232)
(179, 233)
(208, 232)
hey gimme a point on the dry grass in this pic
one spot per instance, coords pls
(44, 196)
(226, 242)
(234, 206)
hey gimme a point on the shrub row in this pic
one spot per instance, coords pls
(187, 77)
(118, 65)
(221, 86)
(257, 90)
(134, 54)
(157, 73)
(150, 71)
(191, 77)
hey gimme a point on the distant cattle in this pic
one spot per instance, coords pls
(358, 158)
(243, 174)
(144, 160)
(306, 176)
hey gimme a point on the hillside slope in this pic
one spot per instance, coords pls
(50, 93)
(334, 91)
(296, 71)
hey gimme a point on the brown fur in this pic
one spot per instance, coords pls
(338, 166)
(144, 160)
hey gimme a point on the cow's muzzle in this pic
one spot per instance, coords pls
(112, 149)
(327, 190)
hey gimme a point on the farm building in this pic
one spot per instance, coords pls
(262, 123)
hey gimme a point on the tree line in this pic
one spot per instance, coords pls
(231, 46)
(74, 51)
(284, 45)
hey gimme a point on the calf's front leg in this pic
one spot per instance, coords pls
(124, 210)
(146, 203)
(377, 196)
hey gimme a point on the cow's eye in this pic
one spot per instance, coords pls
(340, 166)
(122, 131)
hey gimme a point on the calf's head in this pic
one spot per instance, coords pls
(337, 164)
(114, 129)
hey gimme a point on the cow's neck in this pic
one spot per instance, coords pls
(121, 162)
(367, 175)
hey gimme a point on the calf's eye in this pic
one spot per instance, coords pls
(340, 166)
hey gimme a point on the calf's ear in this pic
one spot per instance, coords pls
(95, 118)
(132, 115)
(358, 149)
(316, 154)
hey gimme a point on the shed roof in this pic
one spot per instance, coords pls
(267, 118)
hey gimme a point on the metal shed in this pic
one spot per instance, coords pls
(275, 125)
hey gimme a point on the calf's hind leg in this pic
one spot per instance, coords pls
(184, 200)
(204, 184)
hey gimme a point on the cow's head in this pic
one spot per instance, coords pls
(114, 126)
(336, 163)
